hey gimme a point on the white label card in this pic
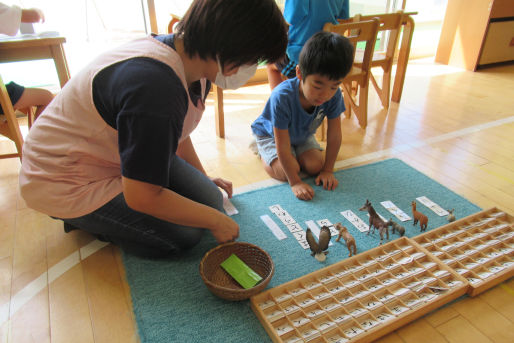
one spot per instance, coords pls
(285, 218)
(304, 244)
(294, 228)
(326, 222)
(355, 220)
(433, 206)
(276, 208)
(395, 210)
(300, 238)
(315, 229)
(273, 227)
(282, 214)
(229, 208)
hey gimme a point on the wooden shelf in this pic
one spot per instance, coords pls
(477, 33)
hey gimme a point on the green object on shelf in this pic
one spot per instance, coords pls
(240, 271)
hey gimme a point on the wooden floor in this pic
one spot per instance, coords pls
(453, 125)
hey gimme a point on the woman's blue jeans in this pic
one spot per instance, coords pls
(147, 236)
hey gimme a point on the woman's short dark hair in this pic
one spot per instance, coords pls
(328, 54)
(236, 31)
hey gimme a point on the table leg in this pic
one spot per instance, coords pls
(403, 58)
(60, 63)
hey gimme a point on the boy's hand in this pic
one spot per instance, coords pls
(328, 179)
(303, 191)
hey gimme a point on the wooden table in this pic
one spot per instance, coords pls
(36, 49)
(14, 50)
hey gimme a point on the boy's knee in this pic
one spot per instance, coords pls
(313, 166)
(276, 170)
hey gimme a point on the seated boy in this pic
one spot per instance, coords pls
(284, 132)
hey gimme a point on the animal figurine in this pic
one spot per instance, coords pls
(348, 238)
(418, 216)
(451, 216)
(319, 248)
(375, 222)
(396, 227)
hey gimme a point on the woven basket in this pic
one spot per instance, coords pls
(219, 282)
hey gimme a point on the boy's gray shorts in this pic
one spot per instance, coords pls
(268, 149)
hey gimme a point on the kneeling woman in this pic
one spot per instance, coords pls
(112, 155)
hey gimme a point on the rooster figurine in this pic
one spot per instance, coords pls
(319, 248)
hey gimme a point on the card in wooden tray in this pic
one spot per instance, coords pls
(361, 298)
(479, 247)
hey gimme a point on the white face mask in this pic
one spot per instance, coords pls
(237, 80)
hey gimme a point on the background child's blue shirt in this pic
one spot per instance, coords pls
(284, 111)
(306, 17)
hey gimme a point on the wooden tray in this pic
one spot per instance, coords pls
(480, 247)
(361, 298)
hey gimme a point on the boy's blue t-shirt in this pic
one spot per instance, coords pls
(284, 111)
(306, 17)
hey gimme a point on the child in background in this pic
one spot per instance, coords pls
(305, 18)
(10, 19)
(284, 132)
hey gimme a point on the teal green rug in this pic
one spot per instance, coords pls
(171, 302)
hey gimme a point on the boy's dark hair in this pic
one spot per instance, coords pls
(328, 54)
(236, 31)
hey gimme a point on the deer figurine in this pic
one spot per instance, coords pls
(418, 216)
(375, 222)
(348, 238)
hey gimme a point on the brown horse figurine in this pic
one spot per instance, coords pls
(375, 222)
(348, 238)
(418, 216)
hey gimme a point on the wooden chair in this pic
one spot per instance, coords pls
(390, 25)
(171, 25)
(361, 31)
(9, 126)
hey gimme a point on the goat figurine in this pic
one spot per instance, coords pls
(396, 227)
(451, 216)
(418, 216)
(348, 238)
(375, 222)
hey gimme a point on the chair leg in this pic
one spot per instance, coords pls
(386, 88)
(383, 92)
(347, 97)
(362, 109)
(10, 128)
(219, 115)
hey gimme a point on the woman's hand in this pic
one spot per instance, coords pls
(226, 229)
(223, 184)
